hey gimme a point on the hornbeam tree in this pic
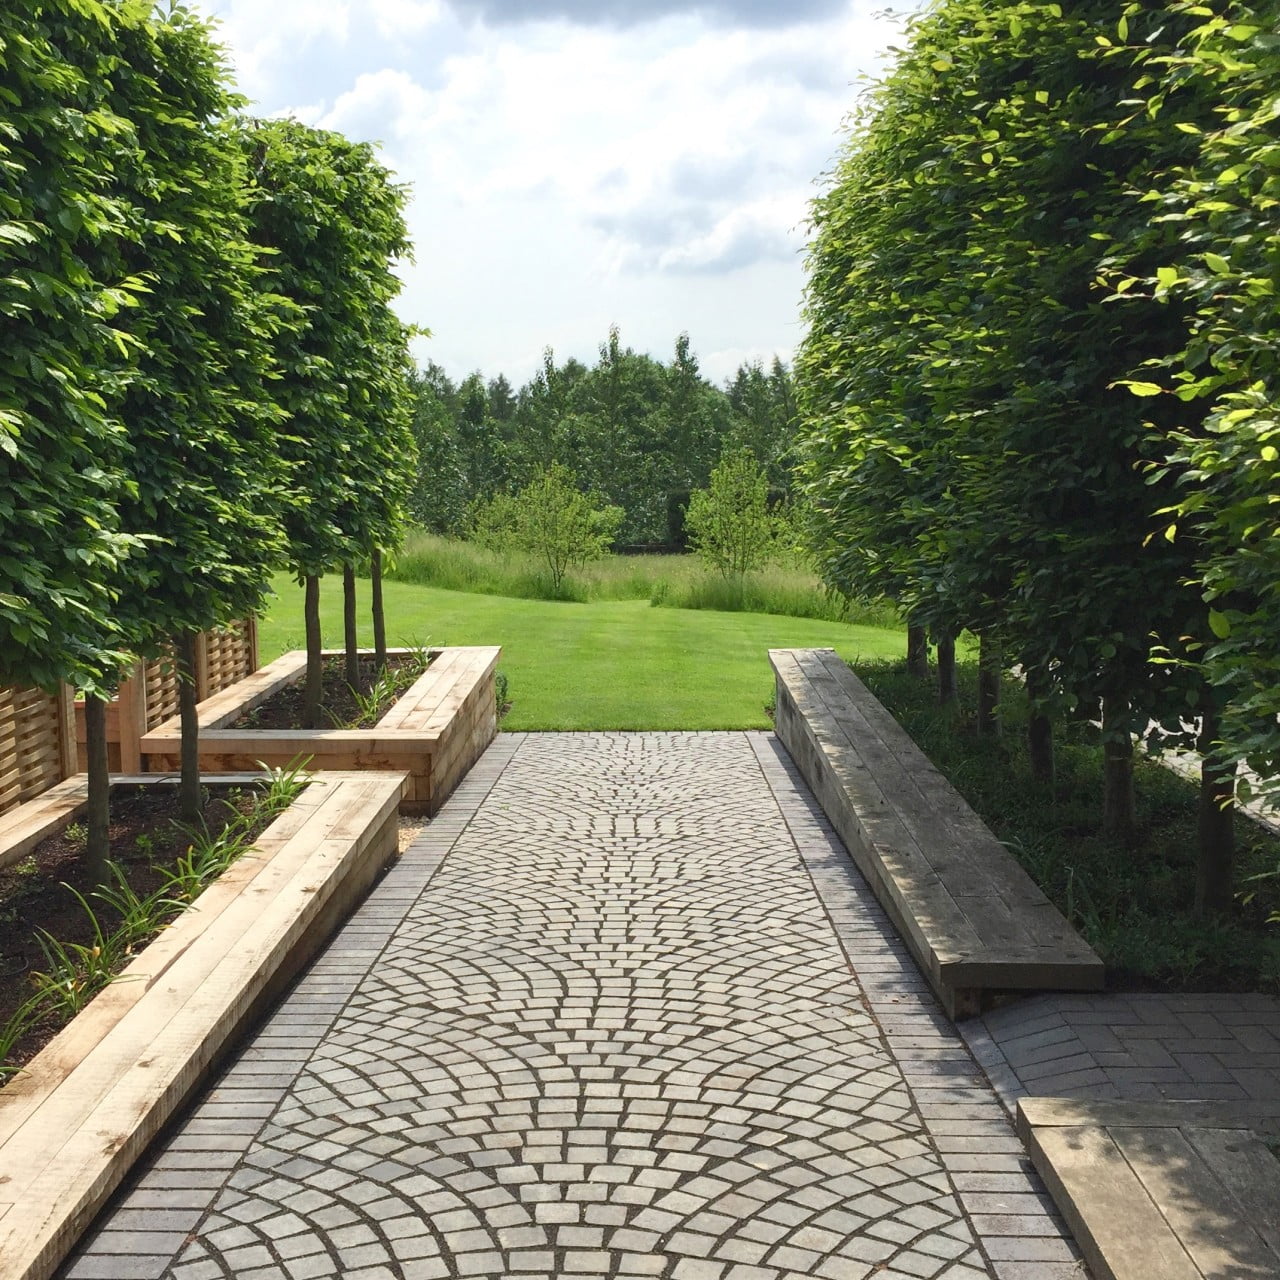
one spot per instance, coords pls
(972, 448)
(333, 224)
(207, 478)
(62, 288)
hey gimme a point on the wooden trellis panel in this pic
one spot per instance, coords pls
(37, 743)
(223, 657)
(149, 696)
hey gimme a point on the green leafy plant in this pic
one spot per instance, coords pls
(730, 524)
(76, 971)
(551, 520)
(140, 914)
(12, 1030)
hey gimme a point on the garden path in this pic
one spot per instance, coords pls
(624, 1009)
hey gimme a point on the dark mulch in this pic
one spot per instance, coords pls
(33, 894)
(342, 708)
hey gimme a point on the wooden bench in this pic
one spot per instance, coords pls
(973, 918)
(1175, 1190)
(85, 1108)
(435, 732)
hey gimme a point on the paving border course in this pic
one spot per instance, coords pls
(435, 731)
(86, 1107)
(973, 918)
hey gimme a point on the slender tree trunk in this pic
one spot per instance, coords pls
(189, 806)
(948, 694)
(350, 636)
(98, 849)
(1215, 869)
(379, 613)
(313, 690)
(1040, 734)
(1119, 820)
(917, 652)
(990, 666)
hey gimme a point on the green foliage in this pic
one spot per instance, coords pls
(199, 414)
(970, 455)
(332, 225)
(637, 430)
(551, 520)
(1135, 906)
(1220, 387)
(730, 524)
(63, 286)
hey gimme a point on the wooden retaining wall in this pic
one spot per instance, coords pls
(149, 696)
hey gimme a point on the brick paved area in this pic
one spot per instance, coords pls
(1139, 1048)
(625, 1009)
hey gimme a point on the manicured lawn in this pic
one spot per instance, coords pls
(610, 664)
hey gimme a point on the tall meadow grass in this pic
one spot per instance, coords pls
(676, 582)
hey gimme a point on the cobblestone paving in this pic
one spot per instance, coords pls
(601, 1020)
(1138, 1048)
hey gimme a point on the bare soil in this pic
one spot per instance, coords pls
(342, 708)
(34, 894)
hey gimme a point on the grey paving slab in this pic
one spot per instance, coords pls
(625, 1009)
(1139, 1047)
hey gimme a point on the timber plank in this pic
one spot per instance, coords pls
(1199, 1210)
(67, 1153)
(1119, 1228)
(1213, 1183)
(1250, 1174)
(973, 917)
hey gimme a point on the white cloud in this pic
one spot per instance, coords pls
(571, 176)
(395, 19)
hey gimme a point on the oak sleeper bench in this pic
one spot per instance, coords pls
(973, 918)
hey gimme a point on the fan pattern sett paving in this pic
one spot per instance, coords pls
(601, 1021)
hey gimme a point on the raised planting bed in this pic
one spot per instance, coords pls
(86, 1106)
(435, 732)
(973, 918)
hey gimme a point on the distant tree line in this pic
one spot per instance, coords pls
(640, 433)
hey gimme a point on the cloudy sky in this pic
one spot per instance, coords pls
(581, 163)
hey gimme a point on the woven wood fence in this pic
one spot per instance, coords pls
(149, 696)
(37, 743)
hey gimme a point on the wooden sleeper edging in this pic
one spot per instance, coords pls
(435, 731)
(86, 1107)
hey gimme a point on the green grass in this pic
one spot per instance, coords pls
(681, 582)
(609, 664)
(1134, 906)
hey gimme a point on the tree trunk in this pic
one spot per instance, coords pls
(917, 652)
(189, 806)
(1119, 821)
(379, 613)
(948, 694)
(990, 666)
(98, 819)
(1040, 734)
(350, 635)
(1215, 868)
(313, 690)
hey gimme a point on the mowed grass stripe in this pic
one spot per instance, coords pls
(608, 664)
